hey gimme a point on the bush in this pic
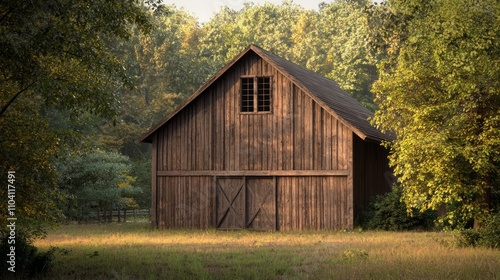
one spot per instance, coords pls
(388, 212)
(466, 238)
(487, 236)
(29, 262)
(490, 234)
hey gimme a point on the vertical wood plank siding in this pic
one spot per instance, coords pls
(210, 133)
(312, 203)
(186, 202)
(154, 181)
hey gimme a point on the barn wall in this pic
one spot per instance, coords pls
(211, 133)
(211, 136)
(314, 202)
(302, 203)
(186, 202)
(154, 181)
(371, 172)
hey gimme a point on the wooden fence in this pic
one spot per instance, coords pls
(121, 216)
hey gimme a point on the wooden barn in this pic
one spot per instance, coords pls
(266, 144)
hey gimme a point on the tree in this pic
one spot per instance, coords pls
(59, 50)
(269, 26)
(439, 91)
(54, 55)
(96, 182)
(27, 147)
(340, 49)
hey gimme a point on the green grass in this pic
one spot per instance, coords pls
(134, 251)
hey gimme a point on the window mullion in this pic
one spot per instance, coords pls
(255, 95)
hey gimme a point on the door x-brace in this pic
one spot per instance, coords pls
(266, 214)
(230, 207)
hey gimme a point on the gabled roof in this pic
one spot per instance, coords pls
(324, 91)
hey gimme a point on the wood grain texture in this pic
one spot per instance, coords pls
(322, 173)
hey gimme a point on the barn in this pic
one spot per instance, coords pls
(266, 144)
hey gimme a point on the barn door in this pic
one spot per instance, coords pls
(230, 203)
(246, 203)
(261, 204)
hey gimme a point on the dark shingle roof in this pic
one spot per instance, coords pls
(328, 92)
(324, 91)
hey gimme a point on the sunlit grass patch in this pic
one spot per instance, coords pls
(135, 251)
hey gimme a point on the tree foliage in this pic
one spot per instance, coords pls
(55, 55)
(27, 146)
(439, 92)
(60, 50)
(333, 42)
(97, 181)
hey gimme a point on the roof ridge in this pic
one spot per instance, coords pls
(323, 90)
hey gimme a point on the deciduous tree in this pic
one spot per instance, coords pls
(439, 91)
(55, 55)
(59, 50)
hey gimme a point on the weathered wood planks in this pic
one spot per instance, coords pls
(321, 172)
(211, 133)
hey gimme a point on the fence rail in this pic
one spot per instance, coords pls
(121, 215)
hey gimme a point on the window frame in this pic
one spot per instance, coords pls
(256, 95)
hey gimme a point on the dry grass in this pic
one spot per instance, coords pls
(133, 251)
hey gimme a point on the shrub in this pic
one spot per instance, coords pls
(466, 238)
(388, 212)
(490, 234)
(487, 236)
(29, 262)
(95, 181)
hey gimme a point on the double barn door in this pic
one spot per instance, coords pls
(246, 203)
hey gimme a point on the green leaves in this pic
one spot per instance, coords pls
(55, 55)
(439, 91)
(97, 180)
(60, 48)
(27, 146)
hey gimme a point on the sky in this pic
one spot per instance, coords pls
(205, 9)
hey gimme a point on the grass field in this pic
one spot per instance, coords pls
(134, 251)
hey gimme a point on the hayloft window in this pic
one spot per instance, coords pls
(256, 94)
